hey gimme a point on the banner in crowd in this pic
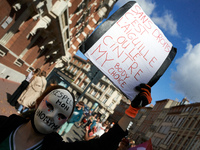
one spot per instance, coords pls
(129, 49)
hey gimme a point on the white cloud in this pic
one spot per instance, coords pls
(167, 23)
(187, 75)
(147, 5)
(164, 21)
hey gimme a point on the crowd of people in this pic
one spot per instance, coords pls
(94, 127)
(46, 114)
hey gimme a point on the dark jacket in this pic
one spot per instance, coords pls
(53, 141)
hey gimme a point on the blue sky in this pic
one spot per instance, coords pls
(179, 21)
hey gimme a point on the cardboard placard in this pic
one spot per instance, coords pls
(129, 49)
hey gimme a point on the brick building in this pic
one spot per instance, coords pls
(176, 127)
(183, 123)
(136, 132)
(45, 34)
(151, 122)
(120, 109)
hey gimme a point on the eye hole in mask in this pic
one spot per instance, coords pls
(51, 108)
(61, 116)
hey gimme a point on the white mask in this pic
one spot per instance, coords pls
(53, 111)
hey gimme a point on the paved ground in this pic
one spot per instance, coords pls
(75, 134)
(8, 87)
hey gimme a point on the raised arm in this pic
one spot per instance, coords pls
(141, 100)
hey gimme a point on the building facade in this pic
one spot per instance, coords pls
(45, 34)
(176, 127)
(100, 95)
(119, 110)
(136, 131)
(151, 122)
(183, 123)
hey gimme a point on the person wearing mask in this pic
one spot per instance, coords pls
(13, 99)
(52, 109)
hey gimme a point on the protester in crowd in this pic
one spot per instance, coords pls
(52, 82)
(124, 144)
(44, 81)
(112, 124)
(86, 117)
(13, 99)
(77, 114)
(33, 91)
(89, 134)
(90, 130)
(91, 120)
(94, 122)
(53, 108)
(100, 130)
(107, 129)
(131, 143)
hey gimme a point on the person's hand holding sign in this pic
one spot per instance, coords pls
(142, 99)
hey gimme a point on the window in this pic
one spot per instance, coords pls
(72, 69)
(194, 111)
(164, 129)
(186, 142)
(83, 75)
(67, 67)
(186, 123)
(167, 138)
(187, 109)
(196, 144)
(75, 72)
(83, 85)
(78, 81)
(3, 52)
(98, 95)
(111, 91)
(192, 123)
(94, 92)
(66, 35)
(89, 89)
(19, 62)
(171, 138)
(6, 22)
(178, 122)
(105, 86)
(111, 104)
(117, 97)
(100, 84)
(182, 122)
(105, 100)
(65, 18)
(197, 125)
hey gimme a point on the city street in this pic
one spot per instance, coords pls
(7, 87)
